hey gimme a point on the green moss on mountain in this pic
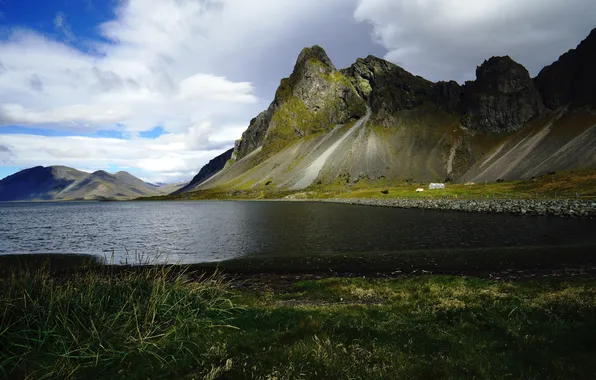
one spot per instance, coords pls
(314, 99)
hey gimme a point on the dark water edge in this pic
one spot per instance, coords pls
(507, 262)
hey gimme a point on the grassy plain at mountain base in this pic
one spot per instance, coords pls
(171, 322)
(580, 183)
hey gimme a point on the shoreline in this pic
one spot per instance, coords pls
(488, 262)
(570, 208)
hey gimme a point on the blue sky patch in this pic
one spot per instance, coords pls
(153, 133)
(81, 19)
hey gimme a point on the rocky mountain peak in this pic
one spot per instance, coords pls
(503, 97)
(314, 55)
(314, 98)
(312, 77)
(502, 75)
(386, 86)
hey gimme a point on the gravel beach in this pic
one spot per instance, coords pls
(552, 207)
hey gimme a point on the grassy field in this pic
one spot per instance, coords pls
(557, 185)
(90, 321)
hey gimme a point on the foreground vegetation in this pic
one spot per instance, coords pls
(172, 322)
(570, 184)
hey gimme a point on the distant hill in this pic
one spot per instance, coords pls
(56, 183)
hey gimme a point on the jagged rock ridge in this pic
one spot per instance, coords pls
(572, 78)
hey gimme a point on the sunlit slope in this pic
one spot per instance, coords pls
(426, 144)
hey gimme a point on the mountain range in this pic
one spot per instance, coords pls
(378, 123)
(63, 183)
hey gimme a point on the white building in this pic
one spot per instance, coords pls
(436, 186)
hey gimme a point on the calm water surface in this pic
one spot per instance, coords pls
(209, 231)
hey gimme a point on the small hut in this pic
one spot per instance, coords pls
(436, 186)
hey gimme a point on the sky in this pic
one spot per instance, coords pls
(159, 87)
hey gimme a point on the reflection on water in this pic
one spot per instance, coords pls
(207, 231)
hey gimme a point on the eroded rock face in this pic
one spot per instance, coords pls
(503, 97)
(314, 98)
(448, 96)
(571, 80)
(309, 81)
(254, 135)
(388, 87)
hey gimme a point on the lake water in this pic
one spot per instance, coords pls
(209, 231)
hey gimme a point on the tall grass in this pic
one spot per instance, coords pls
(135, 324)
(159, 322)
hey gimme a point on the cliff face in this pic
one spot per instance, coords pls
(501, 125)
(503, 98)
(387, 87)
(314, 98)
(571, 80)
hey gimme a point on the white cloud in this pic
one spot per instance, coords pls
(61, 24)
(447, 39)
(98, 92)
(78, 114)
(169, 158)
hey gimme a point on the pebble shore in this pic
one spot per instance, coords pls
(552, 207)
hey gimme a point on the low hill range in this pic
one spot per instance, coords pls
(378, 123)
(56, 183)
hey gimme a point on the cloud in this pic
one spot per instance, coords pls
(171, 157)
(121, 87)
(447, 39)
(5, 154)
(164, 157)
(61, 24)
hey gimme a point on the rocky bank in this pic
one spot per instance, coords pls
(552, 207)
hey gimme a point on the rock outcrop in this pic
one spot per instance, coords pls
(448, 96)
(388, 87)
(313, 99)
(571, 80)
(503, 97)
(254, 135)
